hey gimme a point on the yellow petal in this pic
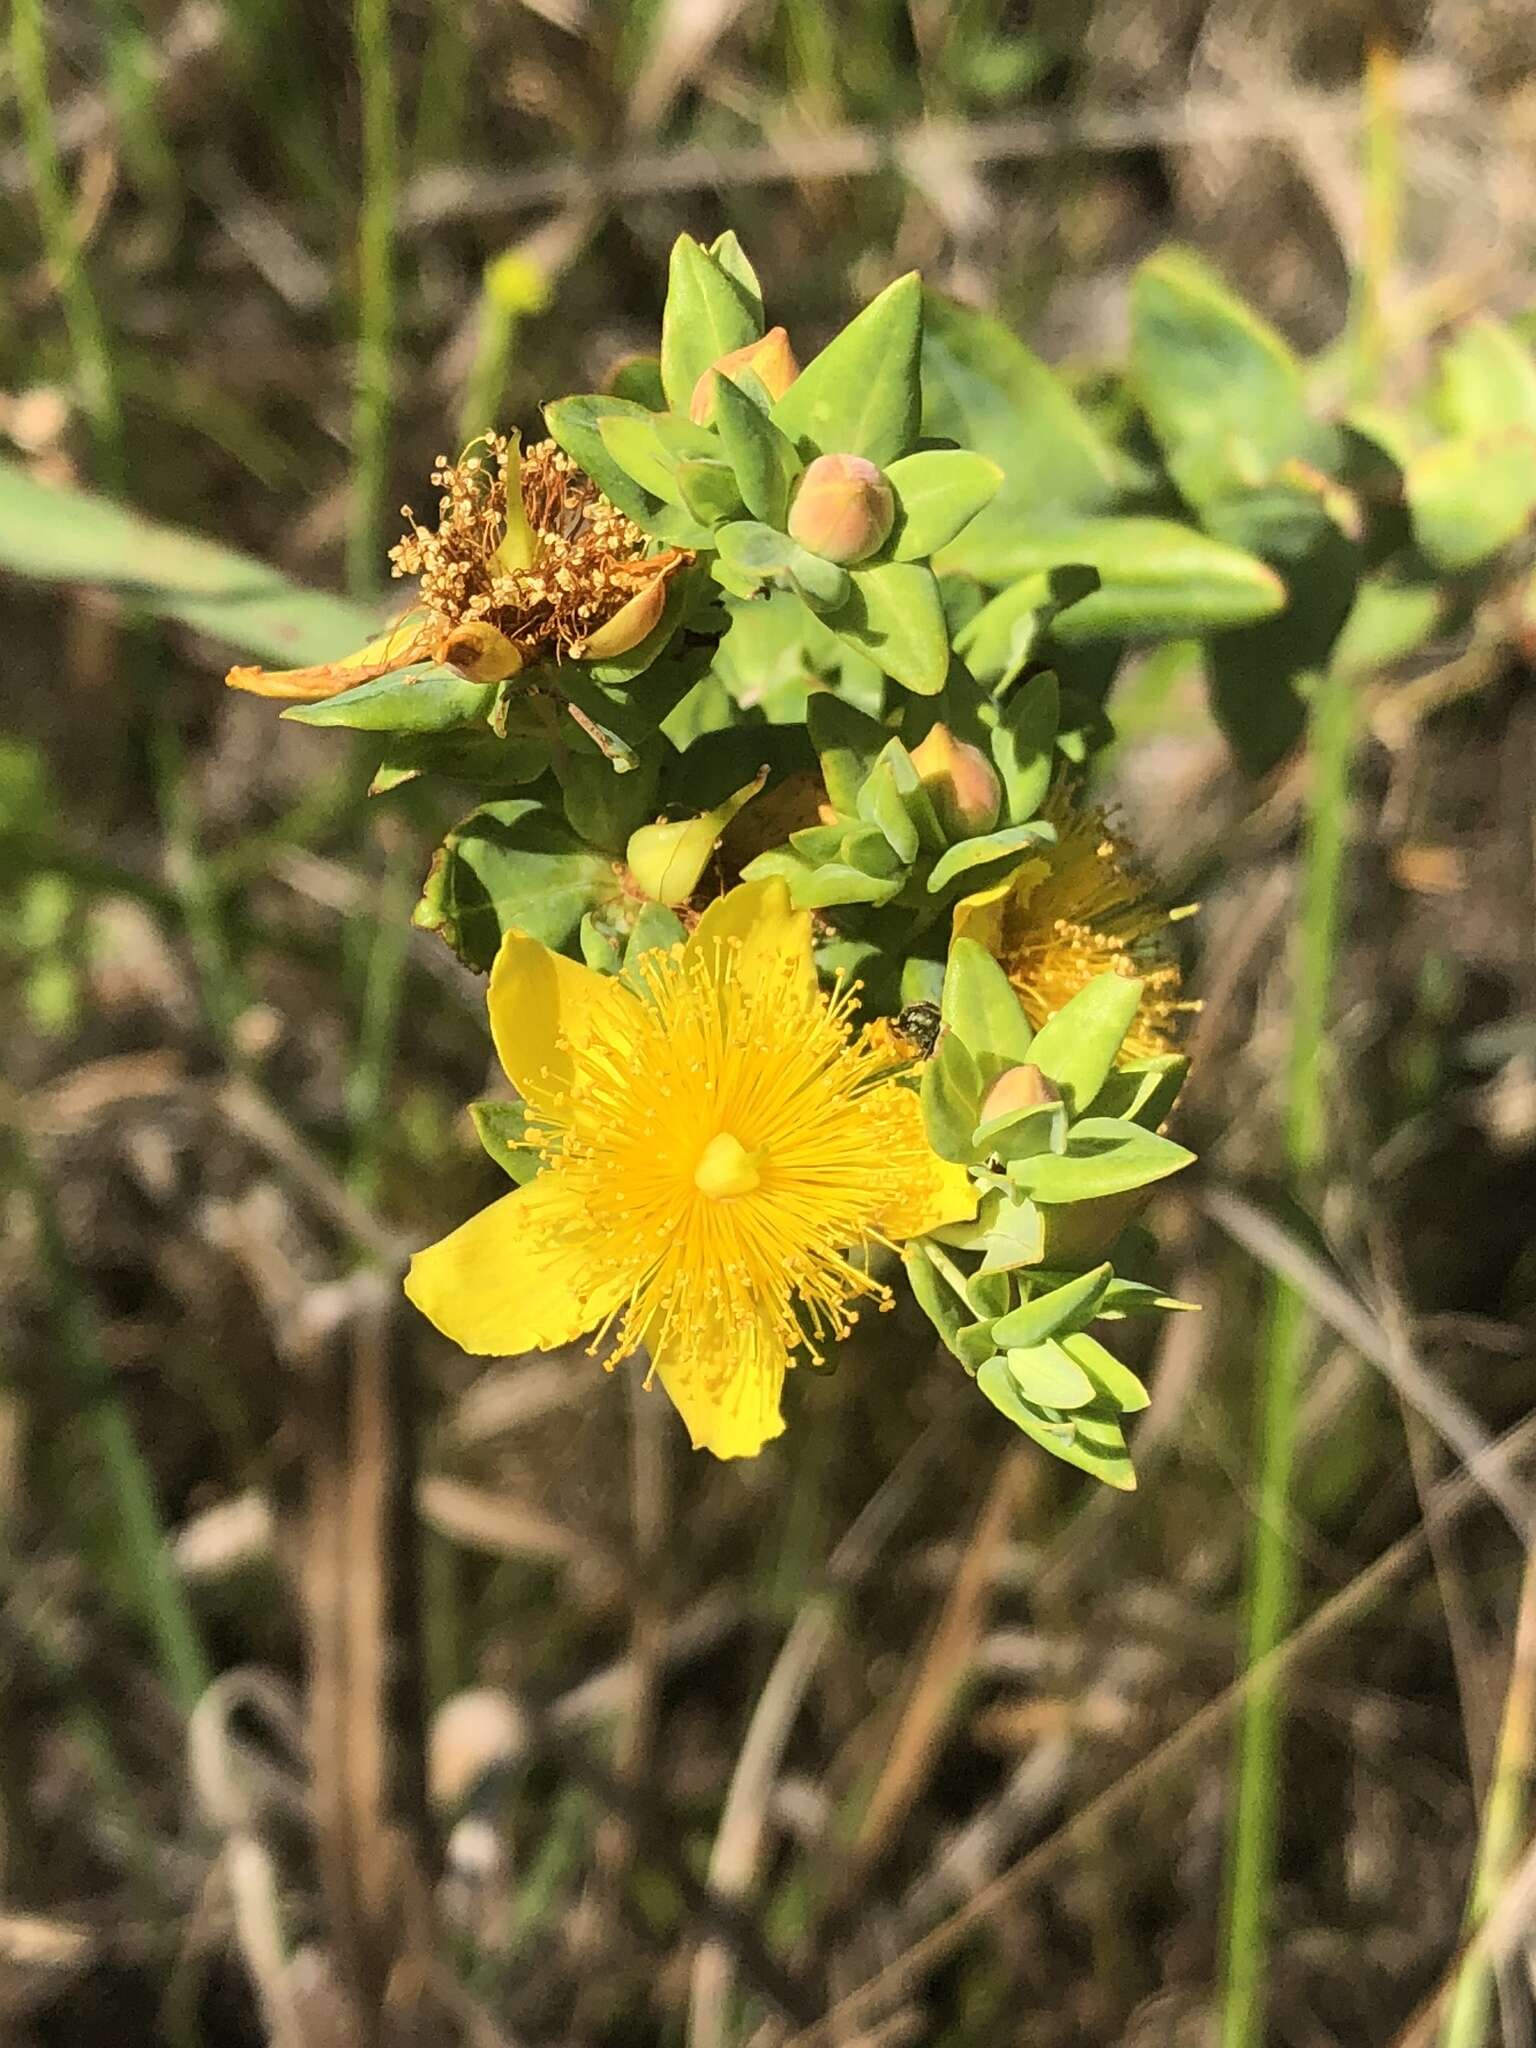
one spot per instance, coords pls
(936, 1191)
(542, 1008)
(758, 915)
(981, 917)
(405, 642)
(511, 1280)
(729, 1408)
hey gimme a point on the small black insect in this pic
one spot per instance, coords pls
(921, 1024)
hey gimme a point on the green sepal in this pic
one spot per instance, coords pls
(934, 1296)
(895, 615)
(762, 457)
(893, 797)
(1022, 1134)
(501, 1128)
(861, 395)
(824, 885)
(655, 927)
(938, 491)
(1103, 1157)
(1077, 1047)
(709, 311)
(435, 700)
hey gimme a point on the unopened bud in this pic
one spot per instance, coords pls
(1019, 1089)
(771, 361)
(843, 510)
(666, 860)
(961, 782)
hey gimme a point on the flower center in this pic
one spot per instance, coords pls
(726, 1168)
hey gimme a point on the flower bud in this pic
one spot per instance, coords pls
(667, 859)
(843, 510)
(771, 360)
(1020, 1088)
(961, 782)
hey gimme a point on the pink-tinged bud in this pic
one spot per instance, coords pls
(771, 360)
(1020, 1088)
(961, 783)
(843, 510)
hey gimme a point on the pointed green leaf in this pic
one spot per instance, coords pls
(1116, 1383)
(708, 313)
(1143, 1091)
(728, 253)
(655, 927)
(860, 395)
(576, 424)
(1076, 1048)
(1103, 1157)
(848, 742)
(436, 700)
(938, 492)
(709, 490)
(952, 1089)
(511, 863)
(982, 1009)
(763, 458)
(895, 615)
(760, 555)
(1024, 746)
(1090, 1438)
(1046, 1315)
(967, 855)
(934, 1296)
(1156, 578)
(1047, 1377)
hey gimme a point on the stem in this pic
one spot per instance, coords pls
(1289, 1330)
(1504, 1826)
(375, 296)
(383, 986)
(82, 316)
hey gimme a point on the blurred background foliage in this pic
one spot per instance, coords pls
(900, 1706)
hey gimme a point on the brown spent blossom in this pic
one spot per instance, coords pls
(528, 561)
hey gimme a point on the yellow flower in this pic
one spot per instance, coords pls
(720, 1148)
(1074, 911)
(528, 561)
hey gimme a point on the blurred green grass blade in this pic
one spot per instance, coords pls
(372, 406)
(163, 1608)
(1288, 1338)
(82, 316)
(58, 536)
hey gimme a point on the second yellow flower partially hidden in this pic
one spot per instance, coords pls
(721, 1149)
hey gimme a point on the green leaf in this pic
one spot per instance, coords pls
(655, 927)
(951, 1089)
(1487, 380)
(1116, 1383)
(474, 754)
(430, 702)
(507, 864)
(638, 378)
(983, 389)
(1014, 1237)
(759, 555)
(501, 1128)
(848, 743)
(1090, 1438)
(1470, 498)
(1047, 1377)
(966, 855)
(938, 492)
(1076, 1048)
(1103, 1157)
(708, 313)
(999, 640)
(820, 885)
(1156, 579)
(709, 490)
(982, 1009)
(727, 252)
(576, 425)
(895, 615)
(1024, 746)
(1063, 1308)
(860, 396)
(1222, 391)
(1143, 1091)
(763, 458)
(1021, 1133)
(881, 805)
